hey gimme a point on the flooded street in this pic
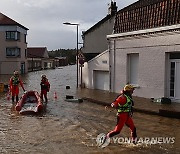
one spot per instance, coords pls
(69, 127)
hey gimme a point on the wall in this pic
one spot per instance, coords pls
(95, 40)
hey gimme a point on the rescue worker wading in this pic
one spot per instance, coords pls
(14, 83)
(45, 86)
(123, 104)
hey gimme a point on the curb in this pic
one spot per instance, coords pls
(96, 101)
(170, 114)
(145, 111)
(164, 113)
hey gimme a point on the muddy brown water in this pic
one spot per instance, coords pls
(69, 127)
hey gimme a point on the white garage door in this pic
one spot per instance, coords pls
(101, 80)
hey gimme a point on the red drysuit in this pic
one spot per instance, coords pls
(14, 83)
(123, 104)
(45, 86)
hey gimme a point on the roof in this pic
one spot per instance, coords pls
(145, 14)
(36, 52)
(6, 21)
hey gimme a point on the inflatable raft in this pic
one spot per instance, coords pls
(29, 102)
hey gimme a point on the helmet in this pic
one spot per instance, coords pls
(16, 72)
(43, 76)
(128, 87)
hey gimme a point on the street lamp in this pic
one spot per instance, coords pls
(74, 24)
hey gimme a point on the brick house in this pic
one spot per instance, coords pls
(38, 59)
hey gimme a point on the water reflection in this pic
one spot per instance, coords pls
(68, 127)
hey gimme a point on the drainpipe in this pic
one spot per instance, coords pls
(110, 63)
(32, 65)
(114, 60)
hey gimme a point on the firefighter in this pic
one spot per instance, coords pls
(45, 87)
(14, 83)
(123, 104)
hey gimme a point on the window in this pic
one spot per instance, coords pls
(13, 52)
(133, 62)
(12, 35)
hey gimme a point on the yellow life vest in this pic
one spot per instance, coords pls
(127, 107)
(15, 81)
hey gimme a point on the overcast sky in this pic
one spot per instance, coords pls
(44, 19)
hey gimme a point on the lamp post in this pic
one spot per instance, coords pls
(74, 24)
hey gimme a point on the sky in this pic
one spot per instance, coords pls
(45, 18)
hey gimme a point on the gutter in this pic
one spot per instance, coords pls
(145, 31)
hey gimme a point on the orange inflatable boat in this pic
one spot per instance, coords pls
(30, 102)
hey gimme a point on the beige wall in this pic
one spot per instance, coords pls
(95, 41)
(8, 64)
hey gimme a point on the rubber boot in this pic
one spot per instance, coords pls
(12, 99)
(134, 136)
(46, 100)
(17, 98)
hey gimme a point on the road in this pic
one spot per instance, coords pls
(69, 127)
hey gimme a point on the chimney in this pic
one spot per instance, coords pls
(112, 9)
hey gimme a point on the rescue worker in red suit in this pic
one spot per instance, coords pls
(123, 104)
(14, 83)
(45, 86)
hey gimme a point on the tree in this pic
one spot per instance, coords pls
(70, 54)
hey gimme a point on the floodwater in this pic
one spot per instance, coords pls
(69, 127)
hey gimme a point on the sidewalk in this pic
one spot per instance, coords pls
(143, 105)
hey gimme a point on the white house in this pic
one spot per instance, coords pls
(148, 59)
(145, 49)
(96, 72)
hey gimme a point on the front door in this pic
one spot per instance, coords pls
(22, 68)
(175, 79)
